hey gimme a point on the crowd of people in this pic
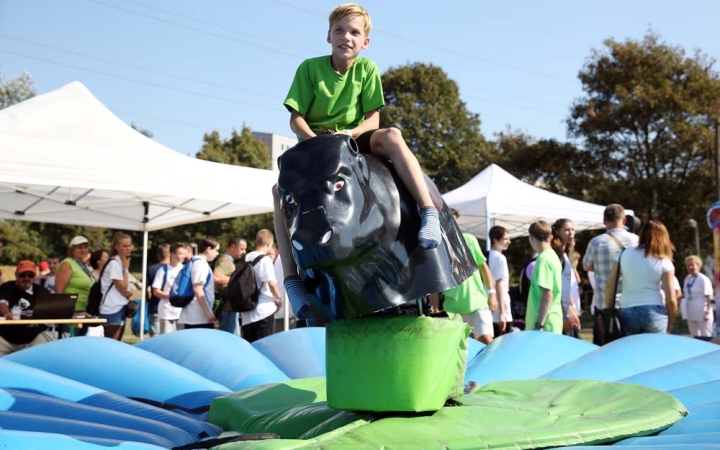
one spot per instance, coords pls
(631, 272)
(81, 269)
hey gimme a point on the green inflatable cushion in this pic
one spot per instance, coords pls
(503, 415)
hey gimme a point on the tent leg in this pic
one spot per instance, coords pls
(286, 318)
(143, 293)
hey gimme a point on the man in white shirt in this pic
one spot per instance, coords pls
(258, 323)
(602, 252)
(168, 314)
(198, 313)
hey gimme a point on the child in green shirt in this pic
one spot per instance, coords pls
(342, 93)
(544, 306)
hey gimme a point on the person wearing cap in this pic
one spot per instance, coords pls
(21, 293)
(75, 277)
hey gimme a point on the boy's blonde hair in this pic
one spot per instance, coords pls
(264, 237)
(351, 9)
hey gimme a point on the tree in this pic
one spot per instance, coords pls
(143, 131)
(559, 167)
(15, 90)
(646, 120)
(240, 150)
(425, 105)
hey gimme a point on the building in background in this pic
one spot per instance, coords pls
(277, 144)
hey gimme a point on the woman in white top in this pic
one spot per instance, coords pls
(114, 286)
(643, 269)
(563, 243)
(698, 296)
(497, 262)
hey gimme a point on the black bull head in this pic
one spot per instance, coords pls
(353, 227)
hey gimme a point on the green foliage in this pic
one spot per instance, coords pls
(243, 150)
(559, 167)
(143, 131)
(425, 105)
(645, 120)
(240, 150)
(15, 90)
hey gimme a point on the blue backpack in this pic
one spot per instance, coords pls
(182, 292)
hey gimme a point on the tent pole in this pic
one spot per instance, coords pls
(286, 319)
(143, 292)
(488, 244)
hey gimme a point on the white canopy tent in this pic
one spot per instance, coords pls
(65, 158)
(494, 197)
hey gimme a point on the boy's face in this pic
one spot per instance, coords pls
(53, 264)
(347, 37)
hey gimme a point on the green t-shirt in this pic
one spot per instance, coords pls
(225, 266)
(470, 295)
(330, 101)
(547, 274)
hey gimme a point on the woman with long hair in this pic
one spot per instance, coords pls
(563, 242)
(643, 269)
(502, 317)
(98, 259)
(114, 286)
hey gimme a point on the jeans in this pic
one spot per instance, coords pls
(116, 318)
(644, 319)
(230, 322)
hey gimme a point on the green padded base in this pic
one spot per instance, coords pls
(502, 415)
(395, 363)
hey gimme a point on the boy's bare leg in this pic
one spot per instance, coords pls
(293, 284)
(389, 142)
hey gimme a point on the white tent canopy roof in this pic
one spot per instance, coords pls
(65, 158)
(495, 197)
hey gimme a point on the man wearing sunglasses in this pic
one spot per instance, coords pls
(21, 292)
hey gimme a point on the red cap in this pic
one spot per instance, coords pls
(26, 266)
(44, 265)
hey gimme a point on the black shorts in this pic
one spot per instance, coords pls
(363, 141)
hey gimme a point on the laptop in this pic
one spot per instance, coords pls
(54, 306)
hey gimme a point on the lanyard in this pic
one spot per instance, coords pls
(689, 285)
(85, 269)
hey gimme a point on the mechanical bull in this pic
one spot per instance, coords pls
(353, 227)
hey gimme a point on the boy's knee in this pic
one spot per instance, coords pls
(392, 135)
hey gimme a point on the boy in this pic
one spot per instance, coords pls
(168, 314)
(48, 280)
(342, 93)
(544, 307)
(258, 323)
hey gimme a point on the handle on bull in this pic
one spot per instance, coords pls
(419, 302)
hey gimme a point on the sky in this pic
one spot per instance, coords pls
(182, 68)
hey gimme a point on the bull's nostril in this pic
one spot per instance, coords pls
(297, 245)
(326, 237)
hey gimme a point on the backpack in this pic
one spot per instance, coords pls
(242, 292)
(181, 293)
(96, 296)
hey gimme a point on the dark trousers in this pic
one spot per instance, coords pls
(597, 317)
(258, 330)
(201, 325)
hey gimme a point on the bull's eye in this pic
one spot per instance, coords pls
(289, 199)
(339, 185)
